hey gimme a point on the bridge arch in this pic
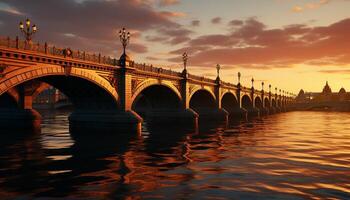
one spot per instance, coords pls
(156, 97)
(273, 103)
(247, 102)
(202, 99)
(199, 88)
(267, 102)
(40, 89)
(229, 102)
(73, 82)
(258, 102)
(148, 83)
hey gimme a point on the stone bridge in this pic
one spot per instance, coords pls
(110, 91)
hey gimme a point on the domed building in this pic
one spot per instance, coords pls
(342, 94)
(325, 96)
(326, 89)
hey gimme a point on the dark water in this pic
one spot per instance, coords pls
(297, 155)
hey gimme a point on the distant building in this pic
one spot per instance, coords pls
(325, 96)
(51, 98)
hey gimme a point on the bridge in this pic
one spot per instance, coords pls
(119, 92)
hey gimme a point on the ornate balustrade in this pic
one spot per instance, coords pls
(201, 78)
(150, 68)
(55, 51)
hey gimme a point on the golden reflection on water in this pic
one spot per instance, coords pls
(297, 155)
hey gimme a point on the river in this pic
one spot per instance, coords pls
(295, 155)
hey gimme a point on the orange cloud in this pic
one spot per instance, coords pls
(168, 2)
(253, 45)
(312, 5)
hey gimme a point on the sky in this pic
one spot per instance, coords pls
(291, 44)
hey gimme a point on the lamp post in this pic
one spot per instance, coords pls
(276, 90)
(239, 78)
(124, 38)
(184, 59)
(28, 31)
(262, 86)
(252, 82)
(218, 67)
(270, 88)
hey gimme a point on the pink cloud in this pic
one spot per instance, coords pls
(216, 20)
(254, 45)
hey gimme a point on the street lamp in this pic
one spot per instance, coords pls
(252, 82)
(124, 38)
(218, 67)
(262, 86)
(185, 58)
(276, 90)
(239, 78)
(28, 31)
(270, 88)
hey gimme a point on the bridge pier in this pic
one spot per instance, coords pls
(238, 114)
(26, 120)
(253, 112)
(187, 118)
(104, 121)
(264, 111)
(212, 115)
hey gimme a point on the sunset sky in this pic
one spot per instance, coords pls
(291, 44)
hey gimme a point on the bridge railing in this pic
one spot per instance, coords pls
(228, 84)
(55, 51)
(201, 78)
(150, 68)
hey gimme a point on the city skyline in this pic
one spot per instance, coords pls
(293, 44)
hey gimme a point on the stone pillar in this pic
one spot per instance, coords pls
(217, 91)
(264, 110)
(124, 89)
(23, 118)
(185, 91)
(238, 94)
(222, 114)
(254, 111)
(242, 113)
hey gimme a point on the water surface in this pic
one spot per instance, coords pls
(296, 155)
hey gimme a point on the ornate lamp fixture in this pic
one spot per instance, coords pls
(124, 38)
(218, 67)
(184, 59)
(28, 31)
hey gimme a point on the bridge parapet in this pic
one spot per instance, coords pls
(54, 51)
(151, 68)
(201, 78)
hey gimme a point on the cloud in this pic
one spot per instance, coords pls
(313, 5)
(335, 71)
(168, 2)
(235, 22)
(195, 23)
(216, 20)
(59, 21)
(254, 45)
